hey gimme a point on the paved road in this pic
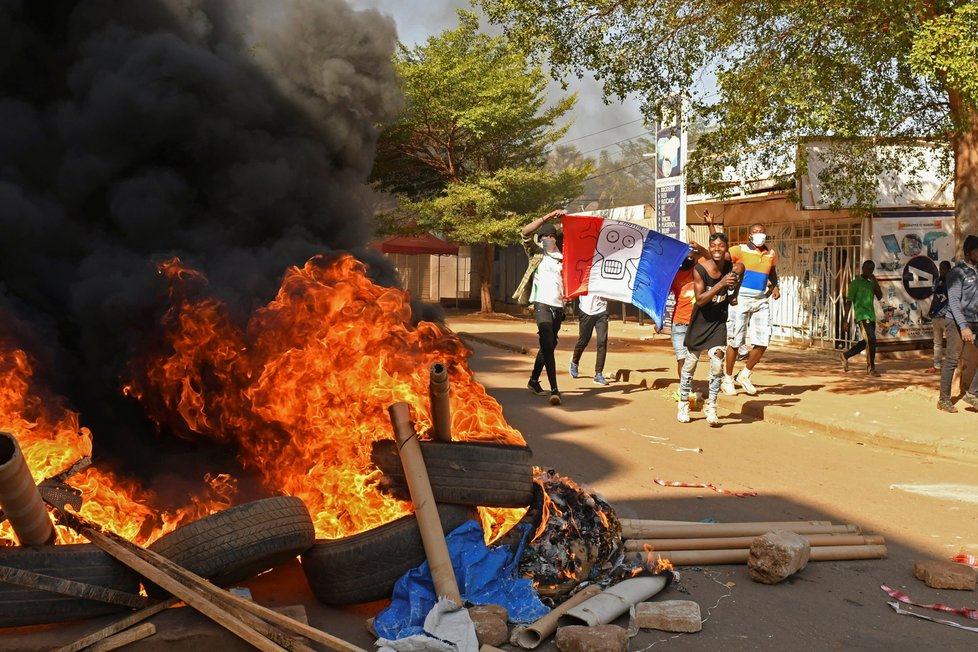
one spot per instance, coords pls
(618, 439)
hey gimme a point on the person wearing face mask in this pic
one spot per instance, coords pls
(749, 320)
(543, 286)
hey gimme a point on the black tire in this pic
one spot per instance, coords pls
(21, 606)
(240, 542)
(463, 473)
(365, 566)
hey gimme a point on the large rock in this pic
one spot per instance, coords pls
(600, 638)
(669, 616)
(776, 555)
(945, 574)
(490, 623)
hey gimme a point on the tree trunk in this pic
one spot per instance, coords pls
(965, 143)
(485, 286)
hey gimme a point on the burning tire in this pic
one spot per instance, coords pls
(237, 543)
(20, 606)
(463, 473)
(365, 566)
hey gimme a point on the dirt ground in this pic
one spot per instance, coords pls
(814, 444)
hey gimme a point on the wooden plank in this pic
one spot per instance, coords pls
(63, 586)
(118, 626)
(137, 633)
(177, 588)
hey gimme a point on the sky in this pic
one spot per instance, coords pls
(596, 126)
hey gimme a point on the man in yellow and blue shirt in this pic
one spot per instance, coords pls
(749, 320)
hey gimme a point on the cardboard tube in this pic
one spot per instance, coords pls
(19, 497)
(613, 602)
(632, 528)
(425, 510)
(536, 633)
(441, 407)
(719, 543)
(706, 530)
(739, 556)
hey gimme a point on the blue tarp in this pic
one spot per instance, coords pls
(485, 575)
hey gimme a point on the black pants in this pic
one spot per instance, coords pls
(868, 329)
(588, 324)
(549, 320)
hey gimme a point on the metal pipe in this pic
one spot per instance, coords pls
(441, 407)
(20, 498)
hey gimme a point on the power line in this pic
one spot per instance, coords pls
(625, 167)
(644, 133)
(571, 140)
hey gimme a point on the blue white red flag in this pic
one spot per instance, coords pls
(620, 261)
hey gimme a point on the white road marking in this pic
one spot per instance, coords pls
(967, 493)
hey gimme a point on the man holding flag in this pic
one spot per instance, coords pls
(543, 286)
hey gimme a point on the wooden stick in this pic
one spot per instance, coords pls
(634, 528)
(706, 557)
(720, 543)
(118, 626)
(705, 530)
(425, 509)
(233, 602)
(177, 588)
(70, 587)
(137, 633)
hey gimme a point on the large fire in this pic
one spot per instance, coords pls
(300, 392)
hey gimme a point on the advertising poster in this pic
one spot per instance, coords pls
(907, 248)
(670, 194)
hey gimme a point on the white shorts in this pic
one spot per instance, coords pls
(749, 321)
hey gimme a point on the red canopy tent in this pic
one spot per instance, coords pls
(416, 244)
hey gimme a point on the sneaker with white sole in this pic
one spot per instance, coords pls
(727, 385)
(743, 379)
(573, 369)
(599, 379)
(682, 412)
(554, 397)
(534, 386)
(711, 414)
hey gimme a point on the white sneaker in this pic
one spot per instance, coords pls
(682, 412)
(743, 379)
(711, 414)
(727, 385)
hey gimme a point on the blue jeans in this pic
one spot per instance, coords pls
(678, 340)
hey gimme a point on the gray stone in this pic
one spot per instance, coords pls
(669, 616)
(600, 638)
(490, 623)
(776, 555)
(945, 574)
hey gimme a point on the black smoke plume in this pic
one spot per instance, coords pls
(234, 134)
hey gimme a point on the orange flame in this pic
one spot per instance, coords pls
(301, 391)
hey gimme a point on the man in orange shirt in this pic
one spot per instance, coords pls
(749, 320)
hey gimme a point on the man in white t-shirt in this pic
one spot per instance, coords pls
(594, 317)
(547, 297)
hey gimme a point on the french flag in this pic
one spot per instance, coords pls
(621, 261)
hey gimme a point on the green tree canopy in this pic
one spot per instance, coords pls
(785, 70)
(468, 154)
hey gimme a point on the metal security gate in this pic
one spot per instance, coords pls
(815, 262)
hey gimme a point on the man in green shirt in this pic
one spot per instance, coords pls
(862, 290)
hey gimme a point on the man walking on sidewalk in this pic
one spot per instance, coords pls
(543, 286)
(962, 301)
(749, 320)
(861, 294)
(594, 317)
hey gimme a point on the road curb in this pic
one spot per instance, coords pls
(499, 344)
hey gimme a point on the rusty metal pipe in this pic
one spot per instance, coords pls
(20, 498)
(441, 408)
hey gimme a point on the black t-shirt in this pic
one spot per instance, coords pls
(708, 326)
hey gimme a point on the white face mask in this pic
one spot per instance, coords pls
(758, 239)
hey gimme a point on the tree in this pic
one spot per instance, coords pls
(857, 71)
(468, 154)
